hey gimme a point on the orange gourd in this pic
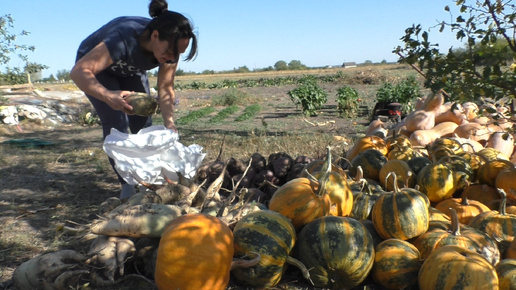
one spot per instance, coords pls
(303, 199)
(364, 143)
(195, 252)
(465, 209)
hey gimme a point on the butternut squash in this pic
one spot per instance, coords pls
(474, 131)
(470, 110)
(502, 141)
(469, 145)
(425, 137)
(377, 128)
(424, 118)
(450, 112)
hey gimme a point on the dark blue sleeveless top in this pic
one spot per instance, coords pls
(121, 36)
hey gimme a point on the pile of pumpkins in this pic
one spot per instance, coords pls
(428, 203)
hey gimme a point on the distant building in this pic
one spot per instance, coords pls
(349, 64)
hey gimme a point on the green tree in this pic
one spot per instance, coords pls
(63, 75)
(33, 70)
(296, 65)
(484, 67)
(281, 65)
(8, 41)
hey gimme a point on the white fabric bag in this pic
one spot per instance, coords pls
(152, 152)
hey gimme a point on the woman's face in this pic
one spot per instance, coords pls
(164, 51)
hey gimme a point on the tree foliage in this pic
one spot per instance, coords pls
(8, 41)
(484, 67)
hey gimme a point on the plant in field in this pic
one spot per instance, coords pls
(224, 114)
(194, 115)
(347, 101)
(249, 112)
(405, 92)
(231, 97)
(309, 95)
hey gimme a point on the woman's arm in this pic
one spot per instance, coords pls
(83, 74)
(166, 94)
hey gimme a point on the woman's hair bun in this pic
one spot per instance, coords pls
(156, 7)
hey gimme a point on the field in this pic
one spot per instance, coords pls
(45, 188)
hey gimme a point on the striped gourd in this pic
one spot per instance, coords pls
(272, 236)
(338, 251)
(396, 264)
(402, 214)
(453, 267)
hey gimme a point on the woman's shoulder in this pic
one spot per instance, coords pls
(128, 22)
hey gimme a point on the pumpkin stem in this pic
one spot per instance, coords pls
(242, 263)
(455, 225)
(464, 197)
(326, 172)
(298, 264)
(503, 203)
(395, 181)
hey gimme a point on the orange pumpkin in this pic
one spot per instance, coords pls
(195, 252)
(302, 200)
(466, 209)
(364, 143)
(506, 180)
(337, 186)
(483, 193)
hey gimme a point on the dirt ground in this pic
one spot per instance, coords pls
(62, 183)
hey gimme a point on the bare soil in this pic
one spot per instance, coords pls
(45, 187)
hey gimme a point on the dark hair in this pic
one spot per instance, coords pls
(171, 26)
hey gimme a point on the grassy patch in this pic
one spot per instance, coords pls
(249, 112)
(195, 115)
(224, 114)
(232, 97)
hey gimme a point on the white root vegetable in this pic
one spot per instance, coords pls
(145, 220)
(108, 254)
(47, 271)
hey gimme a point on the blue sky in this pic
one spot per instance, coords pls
(232, 34)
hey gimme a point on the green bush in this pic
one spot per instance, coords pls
(347, 101)
(405, 93)
(309, 95)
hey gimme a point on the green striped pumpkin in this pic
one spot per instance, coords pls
(456, 234)
(506, 271)
(401, 214)
(272, 236)
(339, 251)
(454, 267)
(497, 224)
(396, 264)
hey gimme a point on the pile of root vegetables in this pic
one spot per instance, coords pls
(425, 203)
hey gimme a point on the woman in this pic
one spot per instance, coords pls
(113, 62)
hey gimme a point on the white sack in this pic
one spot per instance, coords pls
(141, 157)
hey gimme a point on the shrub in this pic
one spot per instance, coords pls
(404, 93)
(309, 95)
(347, 101)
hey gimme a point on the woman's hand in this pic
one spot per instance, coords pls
(116, 100)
